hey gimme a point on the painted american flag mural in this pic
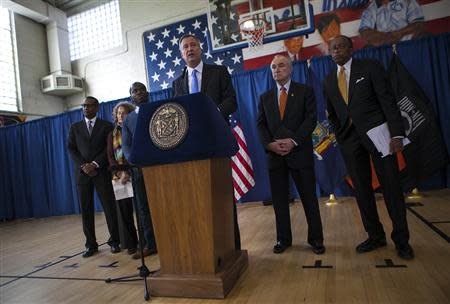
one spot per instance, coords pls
(164, 65)
(164, 62)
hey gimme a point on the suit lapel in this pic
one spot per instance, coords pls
(185, 84)
(354, 74)
(290, 100)
(335, 86)
(273, 106)
(84, 128)
(205, 77)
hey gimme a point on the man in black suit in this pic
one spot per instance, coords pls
(87, 146)
(359, 98)
(286, 120)
(212, 80)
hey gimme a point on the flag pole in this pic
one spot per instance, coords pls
(415, 194)
(332, 200)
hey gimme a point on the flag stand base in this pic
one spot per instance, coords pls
(415, 194)
(332, 200)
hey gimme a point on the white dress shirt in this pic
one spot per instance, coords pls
(93, 122)
(348, 68)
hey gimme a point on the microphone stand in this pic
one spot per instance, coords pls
(143, 270)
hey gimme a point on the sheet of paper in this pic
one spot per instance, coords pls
(381, 138)
(122, 191)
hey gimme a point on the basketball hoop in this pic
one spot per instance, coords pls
(253, 31)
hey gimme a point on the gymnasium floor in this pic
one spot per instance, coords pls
(40, 260)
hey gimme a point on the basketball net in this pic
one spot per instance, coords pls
(253, 30)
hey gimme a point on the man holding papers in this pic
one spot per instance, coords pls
(359, 101)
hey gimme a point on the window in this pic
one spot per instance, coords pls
(8, 86)
(95, 30)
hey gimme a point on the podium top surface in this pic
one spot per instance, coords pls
(181, 129)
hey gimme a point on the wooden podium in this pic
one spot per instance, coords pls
(192, 214)
(190, 197)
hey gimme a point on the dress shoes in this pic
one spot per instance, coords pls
(115, 248)
(370, 244)
(280, 247)
(405, 251)
(145, 252)
(318, 247)
(131, 250)
(89, 252)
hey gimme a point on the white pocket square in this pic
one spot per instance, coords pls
(358, 80)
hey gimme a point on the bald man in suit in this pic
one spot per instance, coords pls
(359, 97)
(286, 120)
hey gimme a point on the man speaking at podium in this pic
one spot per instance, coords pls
(212, 80)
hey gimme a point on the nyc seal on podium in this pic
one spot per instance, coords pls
(168, 126)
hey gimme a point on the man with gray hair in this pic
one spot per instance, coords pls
(286, 120)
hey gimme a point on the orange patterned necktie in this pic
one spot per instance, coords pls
(342, 83)
(283, 100)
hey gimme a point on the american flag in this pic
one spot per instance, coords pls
(241, 164)
(163, 57)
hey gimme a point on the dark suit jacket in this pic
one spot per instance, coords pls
(298, 123)
(371, 101)
(84, 148)
(216, 83)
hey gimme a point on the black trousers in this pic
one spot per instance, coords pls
(305, 182)
(142, 209)
(127, 229)
(357, 152)
(102, 184)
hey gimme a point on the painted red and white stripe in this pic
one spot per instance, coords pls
(241, 164)
(437, 20)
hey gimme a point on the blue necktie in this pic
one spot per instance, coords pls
(194, 82)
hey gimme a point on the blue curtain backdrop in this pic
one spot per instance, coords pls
(37, 173)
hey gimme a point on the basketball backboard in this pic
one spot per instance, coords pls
(281, 18)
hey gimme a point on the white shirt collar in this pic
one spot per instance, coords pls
(347, 66)
(92, 119)
(198, 68)
(136, 109)
(286, 85)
